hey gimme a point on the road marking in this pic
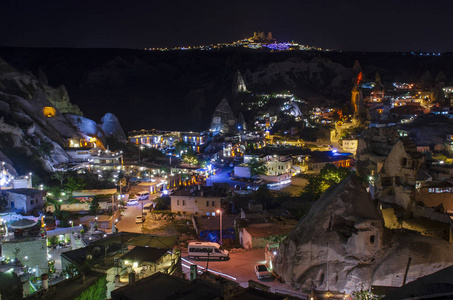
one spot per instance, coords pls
(210, 270)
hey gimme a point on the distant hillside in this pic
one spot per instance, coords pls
(180, 89)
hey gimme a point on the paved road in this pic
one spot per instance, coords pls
(240, 268)
(127, 221)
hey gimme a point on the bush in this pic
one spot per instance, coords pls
(97, 291)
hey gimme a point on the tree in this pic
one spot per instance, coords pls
(328, 176)
(190, 158)
(162, 203)
(74, 184)
(60, 176)
(263, 196)
(257, 167)
(94, 205)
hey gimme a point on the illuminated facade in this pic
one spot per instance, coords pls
(164, 139)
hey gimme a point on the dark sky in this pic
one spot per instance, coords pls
(380, 25)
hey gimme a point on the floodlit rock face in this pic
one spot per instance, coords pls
(334, 246)
(33, 129)
(60, 99)
(112, 128)
(340, 246)
(239, 83)
(223, 119)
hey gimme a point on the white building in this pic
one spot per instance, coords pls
(350, 145)
(194, 201)
(277, 165)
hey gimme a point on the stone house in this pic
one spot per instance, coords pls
(318, 160)
(24, 199)
(146, 261)
(397, 178)
(277, 165)
(199, 201)
(259, 235)
(350, 145)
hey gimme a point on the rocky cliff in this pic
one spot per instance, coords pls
(341, 245)
(373, 147)
(34, 126)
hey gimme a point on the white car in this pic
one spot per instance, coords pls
(138, 219)
(262, 272)
(132, 202)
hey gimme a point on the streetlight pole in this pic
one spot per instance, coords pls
(139, 152)
(219, 211)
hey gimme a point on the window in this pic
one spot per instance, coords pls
(183, 202)
(31, 202)
(212, 204)
(208, 213)
(372, 239)
(177, 202)
(404, 161)
(207, 203)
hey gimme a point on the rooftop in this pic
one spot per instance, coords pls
(142, 254)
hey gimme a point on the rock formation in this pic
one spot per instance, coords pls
(340, 245)
(242, 125)
(223, 119)
(112, 128)
(318, 73)
(33, 128)
(239, 84)
(334, 246)
(373, 147)
(396, 179)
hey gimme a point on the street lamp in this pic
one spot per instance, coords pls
(219, 211)
(139, 151)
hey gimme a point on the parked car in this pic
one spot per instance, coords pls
(138, 219)
(132, 202)
(262, 272)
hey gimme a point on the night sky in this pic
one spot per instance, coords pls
(384, 25)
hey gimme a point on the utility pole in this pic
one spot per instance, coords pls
(143, 221)
(219, 211)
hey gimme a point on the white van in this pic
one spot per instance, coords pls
(144, 195)
(207, 250)
(148, 207)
